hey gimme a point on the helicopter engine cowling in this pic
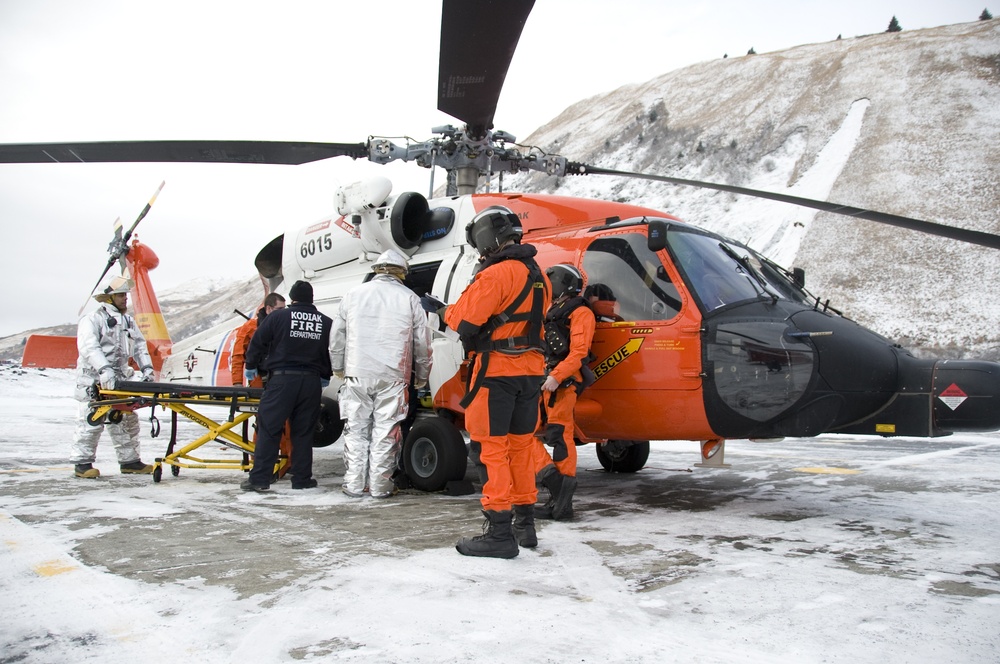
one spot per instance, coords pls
(404, 224)
(383, 222)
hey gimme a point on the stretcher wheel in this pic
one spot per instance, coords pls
(95, 421)
(157, 473)
(434, 454)
(115, 416)
(175, 470)
(623, 456)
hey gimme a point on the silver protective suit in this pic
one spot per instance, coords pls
(103, 343)
(380, 337)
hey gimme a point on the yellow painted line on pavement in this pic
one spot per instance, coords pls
(53, 567)
(45, 568)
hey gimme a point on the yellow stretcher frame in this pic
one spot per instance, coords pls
(179, 399)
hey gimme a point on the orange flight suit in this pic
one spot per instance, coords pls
(559, 411)
(243, 336)
(503, 414)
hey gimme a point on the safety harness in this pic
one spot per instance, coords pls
(557, 332)
(482, 342)
(557, 338)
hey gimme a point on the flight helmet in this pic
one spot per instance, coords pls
(565, 279)
(491, 228)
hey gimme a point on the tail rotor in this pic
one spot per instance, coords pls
(118, 247)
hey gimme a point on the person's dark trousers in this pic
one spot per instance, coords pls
(293, 397)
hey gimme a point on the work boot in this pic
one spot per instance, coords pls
(247, 485)
(497, 540)
(86, 470)
(136, 467)
(524, 526)
(563, 508)
(552, 480)
(310, 483)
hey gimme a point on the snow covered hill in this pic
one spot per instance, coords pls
(906, 123)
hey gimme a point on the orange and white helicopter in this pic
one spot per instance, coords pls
(709, 341)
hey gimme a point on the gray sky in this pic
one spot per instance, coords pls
(303, 70)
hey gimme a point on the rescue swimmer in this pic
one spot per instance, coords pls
(499, 318)
(569, 331)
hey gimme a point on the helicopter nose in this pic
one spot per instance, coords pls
(966, 396)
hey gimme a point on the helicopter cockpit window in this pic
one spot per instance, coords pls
(717, 272)
(634, 275)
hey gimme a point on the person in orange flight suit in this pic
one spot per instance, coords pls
(271, 302)
(499, 318)
(569, 331)
(243, 336)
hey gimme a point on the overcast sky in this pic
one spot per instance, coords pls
(303, 70)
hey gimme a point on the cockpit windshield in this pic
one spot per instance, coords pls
(721, 272)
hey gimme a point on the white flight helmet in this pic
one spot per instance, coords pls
(391, 261)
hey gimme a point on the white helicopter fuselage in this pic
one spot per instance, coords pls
(335, 254)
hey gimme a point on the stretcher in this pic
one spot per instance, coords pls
(186, 400)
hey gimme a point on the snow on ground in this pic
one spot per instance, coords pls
(834, 549)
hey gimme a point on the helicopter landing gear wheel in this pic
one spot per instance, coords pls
(434, 454)
(623, 456)
(329, 426)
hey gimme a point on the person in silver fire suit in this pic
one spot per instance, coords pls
(380, 337)
(107, 339)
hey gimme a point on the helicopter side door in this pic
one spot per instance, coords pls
(647, 343)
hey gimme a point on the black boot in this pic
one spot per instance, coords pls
(524, 526)
(552, 480)
(563, 508)
(497, 540)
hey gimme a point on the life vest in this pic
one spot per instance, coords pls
(557, 332)
(482, 342)
(534, 286)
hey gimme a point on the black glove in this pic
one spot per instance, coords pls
(431, 304)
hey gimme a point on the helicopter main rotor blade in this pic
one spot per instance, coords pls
(237, 152)
(142, 215)
(962, 234)
(478, 38)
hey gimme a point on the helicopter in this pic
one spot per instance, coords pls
(708, 341)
